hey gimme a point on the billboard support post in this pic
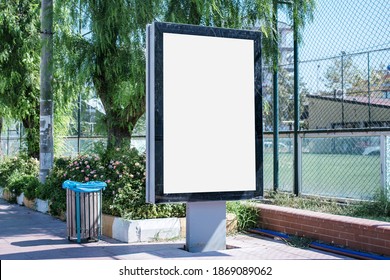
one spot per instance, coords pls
(203, 234)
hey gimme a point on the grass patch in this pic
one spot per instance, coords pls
(246, 212)
(334, 175)
(377, 209)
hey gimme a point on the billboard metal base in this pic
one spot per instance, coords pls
(206, 226)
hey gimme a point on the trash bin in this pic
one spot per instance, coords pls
(84, 210)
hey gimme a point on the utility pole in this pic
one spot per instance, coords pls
(46, 95)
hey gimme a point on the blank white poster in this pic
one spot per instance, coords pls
(209, 114)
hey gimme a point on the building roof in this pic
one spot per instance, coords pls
(358, 100)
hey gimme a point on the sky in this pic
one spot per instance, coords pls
(346, 25)
(350, 26)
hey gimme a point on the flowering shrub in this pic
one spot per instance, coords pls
(129, 190)
(123, 170)
(84, 168)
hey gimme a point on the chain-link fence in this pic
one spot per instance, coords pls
(344, 103)
(11, 139)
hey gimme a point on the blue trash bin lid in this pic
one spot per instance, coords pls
(92, 186)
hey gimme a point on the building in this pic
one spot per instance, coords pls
(332, 112)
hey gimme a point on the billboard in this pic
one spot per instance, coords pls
(204, 113)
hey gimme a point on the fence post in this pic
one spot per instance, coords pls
(369, 89)
(275, 96)
(296, 107)
(385, 163)
(78, 123)
(342, 89)
(299, 164)
(8, 141)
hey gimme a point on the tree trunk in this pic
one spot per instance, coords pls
(46, 100)
(118, 131)
(119, 134)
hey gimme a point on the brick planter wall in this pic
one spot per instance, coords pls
(355, 233)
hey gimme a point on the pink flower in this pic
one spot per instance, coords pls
(86, 179)
(87, 167)
(108, 181)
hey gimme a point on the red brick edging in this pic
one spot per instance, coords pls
(355, 233)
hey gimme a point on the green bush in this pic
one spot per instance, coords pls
(15, 185)
(126, 188)
(123, 170)
(19, 174)
(129, 203)
(52, 188)
(21, 165)
(31, 185)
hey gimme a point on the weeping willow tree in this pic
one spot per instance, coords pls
(106, 44)
(19, 66)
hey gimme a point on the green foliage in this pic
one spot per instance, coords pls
(52, 188)
(299, 241)
(123, 170)
(15, 185)
(21, 165)
(309, 203)
(246, 212)
(109, 58)
(129, 203)
(84, 168)
(343, 73)
(21, 183)
(19, 174)
(19, 65)
(31, 184)
(379, 207)
(103, 45)
(126, 187)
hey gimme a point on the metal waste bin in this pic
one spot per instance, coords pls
(84, 210)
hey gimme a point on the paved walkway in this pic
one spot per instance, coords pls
(29, 235)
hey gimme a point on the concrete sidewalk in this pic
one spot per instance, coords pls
(29, 235)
